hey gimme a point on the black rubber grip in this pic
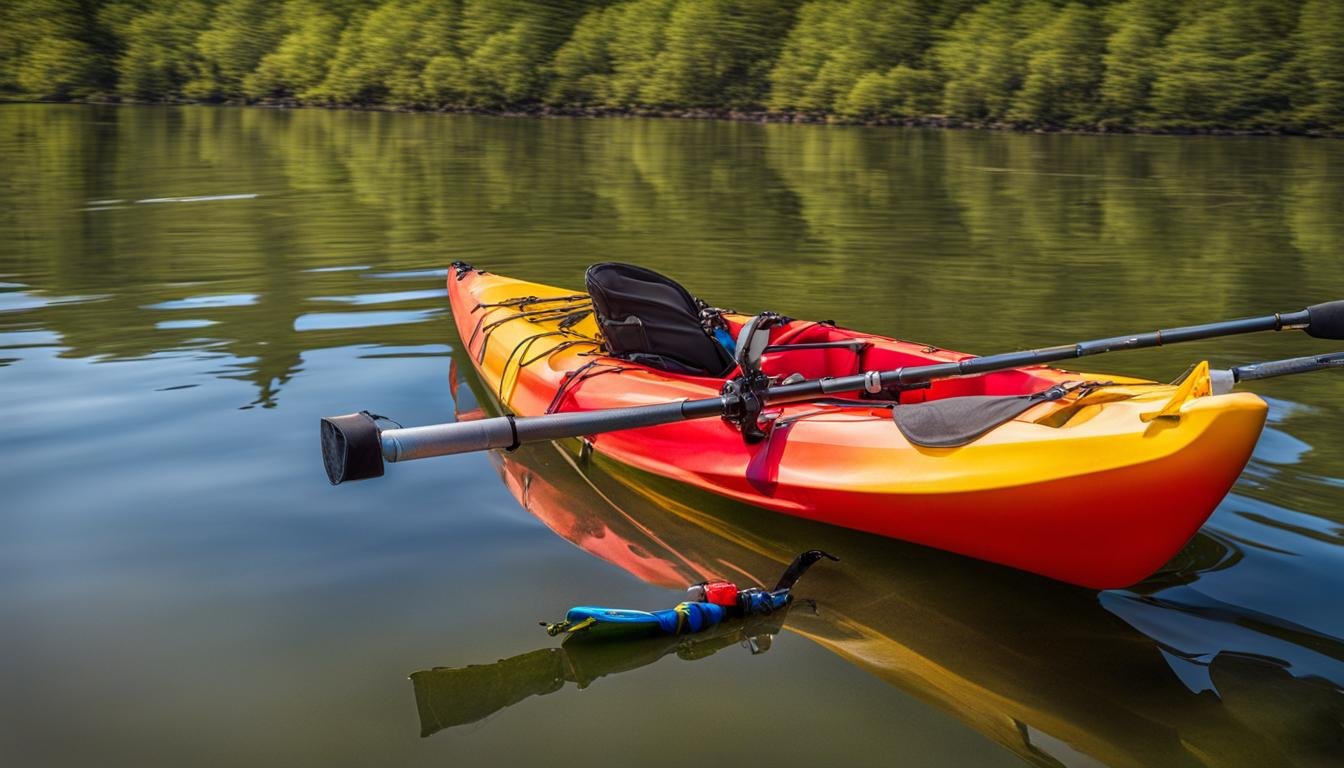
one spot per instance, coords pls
(1326, 321)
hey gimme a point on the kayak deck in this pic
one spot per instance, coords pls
(1090, 488)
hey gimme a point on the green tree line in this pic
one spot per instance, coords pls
(1163, 64)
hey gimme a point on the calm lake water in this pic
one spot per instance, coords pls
(184, 291)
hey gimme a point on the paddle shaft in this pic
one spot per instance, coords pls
(510, 432)
(1008, 360)
(1285, 367)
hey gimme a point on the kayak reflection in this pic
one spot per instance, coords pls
(447, 697)
(1056, 673)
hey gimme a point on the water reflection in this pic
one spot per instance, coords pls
(1163, 674)
(325, 321)
(451, 696)
(208, 302)
(908, 226)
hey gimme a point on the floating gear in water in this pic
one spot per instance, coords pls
(708, 603)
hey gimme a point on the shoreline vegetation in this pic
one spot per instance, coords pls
(1122, 66)
(727, 115)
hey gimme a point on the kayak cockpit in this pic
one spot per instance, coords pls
(813, 350)
(651, 320)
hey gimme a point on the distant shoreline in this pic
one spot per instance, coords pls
(763, 116)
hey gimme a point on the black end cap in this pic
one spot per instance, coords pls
(351, 448)
(1326, 321)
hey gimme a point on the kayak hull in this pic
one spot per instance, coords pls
(1094, 491)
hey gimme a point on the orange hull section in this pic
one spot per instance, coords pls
(1084, 491)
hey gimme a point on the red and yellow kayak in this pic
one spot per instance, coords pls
(1098, 488)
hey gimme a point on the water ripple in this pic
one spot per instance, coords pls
(208, 301)
(21, 301)
(198, 198)
(326, 321)
(408, 275)
(384, 298)
(172, 325)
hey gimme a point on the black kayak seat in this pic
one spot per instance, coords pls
(650, 319)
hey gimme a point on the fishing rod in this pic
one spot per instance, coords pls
(354, 447)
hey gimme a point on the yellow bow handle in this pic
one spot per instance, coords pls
(1195, 385)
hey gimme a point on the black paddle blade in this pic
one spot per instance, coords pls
(351, 448)
(956, 421)
(1326, 321)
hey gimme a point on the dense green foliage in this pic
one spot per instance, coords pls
(1276, 64)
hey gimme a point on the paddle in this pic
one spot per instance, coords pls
(1223, 381)
(951, 422)
(354, 448)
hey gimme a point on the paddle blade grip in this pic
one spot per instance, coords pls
(351, 448)
(1326, 321)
